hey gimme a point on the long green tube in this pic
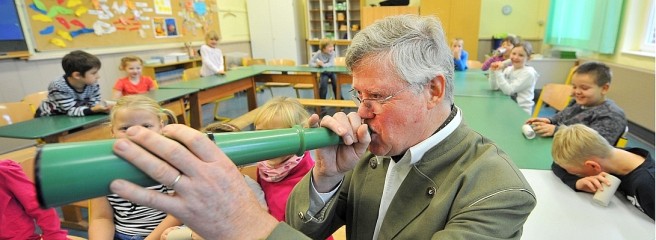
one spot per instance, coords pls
(69, 172)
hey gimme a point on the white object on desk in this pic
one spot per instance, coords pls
(562, 213)
(603, 197)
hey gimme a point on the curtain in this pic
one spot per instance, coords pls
(584, 24)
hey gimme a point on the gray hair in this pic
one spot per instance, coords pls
(413, 47)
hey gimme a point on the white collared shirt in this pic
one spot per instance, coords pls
(396, 173)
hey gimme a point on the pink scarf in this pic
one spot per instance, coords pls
(276, 174)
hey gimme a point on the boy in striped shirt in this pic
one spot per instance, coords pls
(77, 93)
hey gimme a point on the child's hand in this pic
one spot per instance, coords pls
(456, 53)
(544, 129)
(495, 66)
(220, 73)
(592, 183)
(101, 108)
(537, 120)
(319, 63)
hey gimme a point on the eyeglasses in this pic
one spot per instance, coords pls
(355, 96)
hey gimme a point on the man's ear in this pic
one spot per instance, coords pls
(437, 90)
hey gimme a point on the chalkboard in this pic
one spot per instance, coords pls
(11, 36)
(78, 24)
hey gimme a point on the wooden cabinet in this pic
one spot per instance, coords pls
(460, 19)
(332, 19)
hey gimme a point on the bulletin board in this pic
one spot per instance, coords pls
(78, 24)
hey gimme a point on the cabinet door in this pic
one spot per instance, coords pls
(260, 26)
(284, 31)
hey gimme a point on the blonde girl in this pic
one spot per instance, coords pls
(133, 82)
(113, 217)
(211, 55)
(516, 80)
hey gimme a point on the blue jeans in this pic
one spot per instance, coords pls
(323, 84)
(121, 236)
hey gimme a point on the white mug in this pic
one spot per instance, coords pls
(603, 197)
(528, 132)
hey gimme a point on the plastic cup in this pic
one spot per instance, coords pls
(603, 197)
(528, 132)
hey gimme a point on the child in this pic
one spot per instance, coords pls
(581, 151)
(113, 217)
(502, 53)
(77, 93)
(19, 208)
(325, 57)
(516, 80)
(184, 232)
(211, 56)
(590, 82)
(278, 176)
(460, 56)
(134, 82)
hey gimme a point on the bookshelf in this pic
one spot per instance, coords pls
(338, 20)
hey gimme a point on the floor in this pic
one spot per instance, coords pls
(237, 106)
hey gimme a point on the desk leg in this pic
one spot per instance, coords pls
(196, 117)
(250, 95)
(316, 92)
(72, 218)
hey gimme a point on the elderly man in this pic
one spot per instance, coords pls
(408, 168)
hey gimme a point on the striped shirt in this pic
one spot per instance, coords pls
(132, 219)
(64, 99)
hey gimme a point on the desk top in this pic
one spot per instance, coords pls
(501, 120)
(42, 127)
(562, 213)
(216, 80)
(474, 83)
(164, 95)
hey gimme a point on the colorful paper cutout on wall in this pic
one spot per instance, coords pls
(73, 3)
(81, 10)
(58, 42)
(65, 35)
(41, 18)
(163, 7)
(39, 5)
(35, 8)
(78, 23)
(63, 22)
(200, 8)
(81, 31)
(47, 30)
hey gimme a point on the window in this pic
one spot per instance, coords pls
(584, 24)
(649, 39)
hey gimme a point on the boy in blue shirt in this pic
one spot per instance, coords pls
(460, 56)
(77, 93)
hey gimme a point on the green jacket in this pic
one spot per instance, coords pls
(463, 188)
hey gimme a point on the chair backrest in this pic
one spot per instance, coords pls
(191, 73)
(570, 74)
(623, 141)
(253, 61)
(340, 61)
(282, 62)
(13, 112)
(474, 64)
(35, 99)
(556, 95)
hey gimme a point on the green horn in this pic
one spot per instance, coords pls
(70, 172)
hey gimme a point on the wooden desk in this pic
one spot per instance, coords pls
(62, 128)
(212, 88)
(501, 120)
(152, 70)
(562, 213)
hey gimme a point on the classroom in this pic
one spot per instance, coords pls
(269, 50)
